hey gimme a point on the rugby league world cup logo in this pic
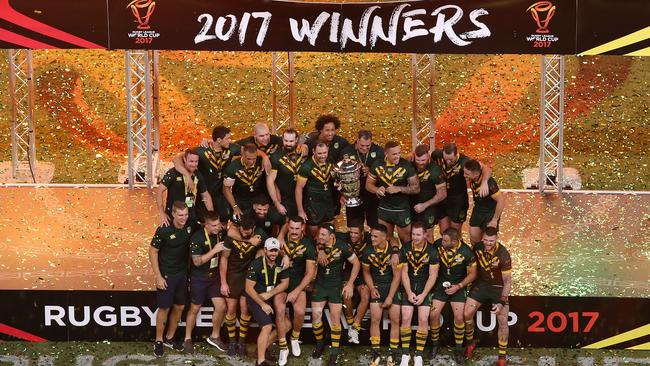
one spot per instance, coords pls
(542, 12)
(142, 10)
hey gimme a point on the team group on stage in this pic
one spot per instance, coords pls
(252, 226)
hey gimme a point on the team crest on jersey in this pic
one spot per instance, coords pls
(336, 145)
(373, 154)
(172, 236)
(179, 179)
(495, 264)
(267, 223)
(459, 260)
(189, 230)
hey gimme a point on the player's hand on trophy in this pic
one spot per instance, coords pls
(393, 189)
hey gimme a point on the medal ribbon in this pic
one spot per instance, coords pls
(266, 274)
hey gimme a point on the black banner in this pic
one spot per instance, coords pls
(535, 321)
(425, 26)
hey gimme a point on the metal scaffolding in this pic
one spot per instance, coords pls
(21, 105)
(423, 125)
(143, 133)
(552, 124)
(282, 73)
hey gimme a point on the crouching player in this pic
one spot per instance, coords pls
(264, 281)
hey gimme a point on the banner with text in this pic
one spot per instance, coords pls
(535, 321)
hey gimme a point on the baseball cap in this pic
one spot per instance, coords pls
(272, 243)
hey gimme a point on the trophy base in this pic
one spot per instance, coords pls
(353, 202)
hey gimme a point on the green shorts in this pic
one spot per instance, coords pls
(294, 281)
(384, 289)
(319, 209)
(290, 205)
(427, 217)
(417, 288)
(440, 295)
(331, 294)
(400, 218)
(484, 293)
(222, 207)
(481, 217)
(455, 207)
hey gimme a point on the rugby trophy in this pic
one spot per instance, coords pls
(347, 174)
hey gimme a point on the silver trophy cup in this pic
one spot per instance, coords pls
(347, 173)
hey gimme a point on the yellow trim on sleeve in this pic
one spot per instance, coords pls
(495, 194)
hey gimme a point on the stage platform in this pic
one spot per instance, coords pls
(96, 238)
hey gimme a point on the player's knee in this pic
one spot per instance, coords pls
(180, 307)
(298, 312)
(194, 308)
(317, 314)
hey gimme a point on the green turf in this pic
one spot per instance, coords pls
(121, 353)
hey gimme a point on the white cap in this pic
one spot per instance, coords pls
(272, 243)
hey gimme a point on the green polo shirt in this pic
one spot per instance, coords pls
(177, 190)
(200, 244)
(173, 245)
(265, 274)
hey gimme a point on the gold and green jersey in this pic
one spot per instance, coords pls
(274, 144)
(418, 261)
(487, 203)
(318, 176)
(242, 252)
(492, 264)
(387, 174)
(212, 164)
(454, 175)
(358, 247)
(453, 262)
(249, 181)
(297, 252)
(332, 274)
(177, 189)
(379, 263)
(429, 177)
(286, 165)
